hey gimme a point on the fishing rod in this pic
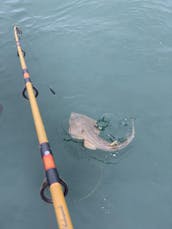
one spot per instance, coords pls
(57, 186)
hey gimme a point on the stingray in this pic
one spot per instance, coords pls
(84, 128)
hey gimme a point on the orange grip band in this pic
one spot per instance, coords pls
(48, 161)
(26, 75)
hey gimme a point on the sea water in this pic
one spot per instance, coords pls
(98, 57)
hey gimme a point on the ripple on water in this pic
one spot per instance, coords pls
(85, 170)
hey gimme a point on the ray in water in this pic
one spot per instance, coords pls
(83, 128)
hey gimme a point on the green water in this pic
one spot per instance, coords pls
(99, 57)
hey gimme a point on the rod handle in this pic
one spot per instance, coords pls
(60, 207)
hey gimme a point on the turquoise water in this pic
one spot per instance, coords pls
(99, 57)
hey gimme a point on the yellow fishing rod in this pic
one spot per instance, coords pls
(56, 185)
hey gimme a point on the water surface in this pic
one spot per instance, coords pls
(98, 57)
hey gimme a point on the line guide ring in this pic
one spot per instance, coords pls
(25, 90)
(45, 185)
